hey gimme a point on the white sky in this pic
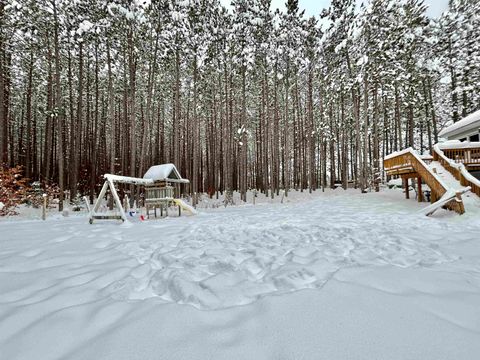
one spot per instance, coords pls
(314, 7)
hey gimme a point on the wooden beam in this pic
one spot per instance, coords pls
(117, 200)
(97, 203)
(420, 193)
(107, 217)
(410, 175)
(407, 194)
(400, 170)
(461, 206)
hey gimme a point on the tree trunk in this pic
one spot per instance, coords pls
(59, 110)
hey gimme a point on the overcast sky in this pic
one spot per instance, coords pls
(314, 7)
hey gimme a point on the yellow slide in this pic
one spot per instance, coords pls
(184, 206)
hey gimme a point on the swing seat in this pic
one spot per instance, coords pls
(105, 217)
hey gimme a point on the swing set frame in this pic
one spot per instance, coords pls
(109, 183)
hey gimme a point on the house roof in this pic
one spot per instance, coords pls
(166, 172)
(469, 122)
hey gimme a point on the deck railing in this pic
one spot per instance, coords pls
(399, 161)
(466, 156)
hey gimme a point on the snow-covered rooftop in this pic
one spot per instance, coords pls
(469, 122)
(164, 172)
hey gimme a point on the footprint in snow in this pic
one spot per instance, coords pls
(61, 238)
(32, 253)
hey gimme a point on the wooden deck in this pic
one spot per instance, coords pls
(407, 164)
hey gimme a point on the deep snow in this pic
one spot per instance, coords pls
(328, 276)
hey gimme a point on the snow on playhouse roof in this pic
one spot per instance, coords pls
(167, 172)
(469, 122)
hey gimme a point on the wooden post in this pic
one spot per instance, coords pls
(461, 206)
(420, 193)
(87, 204)
(44, 207)
(407, 194)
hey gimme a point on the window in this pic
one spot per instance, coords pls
(474, 137)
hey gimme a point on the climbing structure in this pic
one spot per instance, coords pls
(159, 193)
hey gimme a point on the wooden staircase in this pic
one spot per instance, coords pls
(408, 164)
(458, 162)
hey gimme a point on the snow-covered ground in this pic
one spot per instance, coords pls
(334, 275)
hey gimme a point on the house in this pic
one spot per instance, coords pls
(467, 129)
